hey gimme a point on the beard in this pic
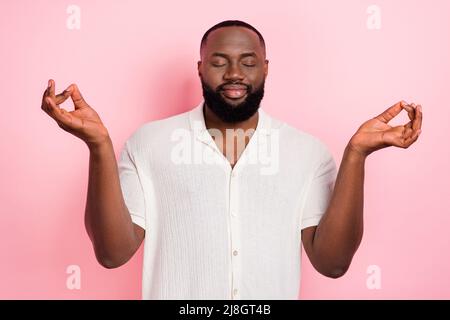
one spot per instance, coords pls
(233, 113)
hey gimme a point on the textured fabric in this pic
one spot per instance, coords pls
(213, 232)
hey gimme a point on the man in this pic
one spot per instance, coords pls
(216, 224)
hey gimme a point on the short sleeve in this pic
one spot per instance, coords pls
(320, 191)
(131, 186)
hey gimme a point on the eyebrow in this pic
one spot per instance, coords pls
(226, 56)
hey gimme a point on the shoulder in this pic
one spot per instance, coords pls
(158, 131)
(297, 139)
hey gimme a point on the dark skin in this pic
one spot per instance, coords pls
(232, 54)
(332, 244)
(114, 236)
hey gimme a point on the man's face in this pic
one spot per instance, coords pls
(232, 70)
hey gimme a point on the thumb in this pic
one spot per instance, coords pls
(76, 97)
(391, 112)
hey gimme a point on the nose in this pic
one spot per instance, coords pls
(233, 73)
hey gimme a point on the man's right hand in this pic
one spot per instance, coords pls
(83, 122)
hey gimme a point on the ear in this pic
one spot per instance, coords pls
(199, 64)
(266, 68)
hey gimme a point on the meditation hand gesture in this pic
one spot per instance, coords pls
(83, 122)
(376, 134)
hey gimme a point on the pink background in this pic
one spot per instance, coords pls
(135, 61)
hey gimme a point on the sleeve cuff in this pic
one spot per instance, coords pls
(310, 222)
(138, 220)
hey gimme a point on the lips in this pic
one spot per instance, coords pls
(234, 91)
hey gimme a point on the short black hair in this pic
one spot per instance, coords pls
(232, 23)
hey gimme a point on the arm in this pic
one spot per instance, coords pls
(332, 244)
(108, 223)
(107, 220)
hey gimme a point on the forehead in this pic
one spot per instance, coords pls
(232, 40)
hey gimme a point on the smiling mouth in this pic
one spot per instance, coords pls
(234, 93)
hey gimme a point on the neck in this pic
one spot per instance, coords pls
(212, 121)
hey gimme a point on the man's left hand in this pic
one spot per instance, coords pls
(376, 134)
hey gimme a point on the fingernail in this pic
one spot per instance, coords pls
(420, 108)
(49, 83)
(419, 132)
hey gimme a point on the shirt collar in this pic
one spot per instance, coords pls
(198, 126)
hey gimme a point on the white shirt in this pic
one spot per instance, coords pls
(213, 232)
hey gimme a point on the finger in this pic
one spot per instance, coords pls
(59, 115)
(411, 111)
(51, 92)
(76, 96)
(407, 133)
(391, 112)
(408, 125)
(47, 90)
(60, 98)
(412, 139)
(417, 123)
(402, 138)
(45, 94)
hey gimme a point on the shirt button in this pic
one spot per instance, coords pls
(233, 213)
(235, 253)
(235, 292)
(233, 174)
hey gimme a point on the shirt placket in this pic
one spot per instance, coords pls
(235, 243)
(234, 225)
